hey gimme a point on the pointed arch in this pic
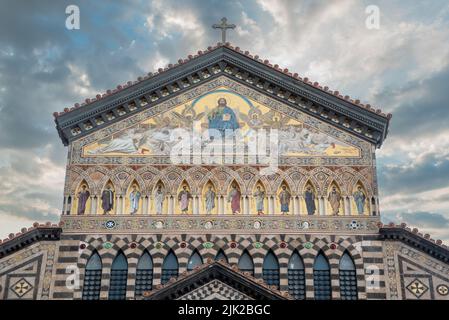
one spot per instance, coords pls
(82, 204)
(194, 260)
(334, 207)
(260, 200)
(348, 278)
(221, 256)
(361, 200)
(311, 198)
(108, 206)
(270, 269)
(133, 198)
(321, 278)
(296, 276)
(144, 274)
(246, 263)
(92, 277)
(119, 277)
(170, 267)
(211, 206)
(184, 186)
(235, 206)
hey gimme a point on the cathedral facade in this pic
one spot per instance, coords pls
(222, 177)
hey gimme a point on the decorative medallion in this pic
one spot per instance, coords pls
(233, 245)
(107, 245)
(21, 287)
(133, 245)
(283, 245)
(159, 224)
(183, 245)
(158, 245)
(354, 225)
(258, 245)
(308, 245)
(417, 288)
(442, 289)
(208, 244)
(257, 225)
(110, 224)
(208, 225)
(305, 225)
(82, 246)
(333, 246)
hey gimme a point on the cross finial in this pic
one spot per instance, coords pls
(223, 26)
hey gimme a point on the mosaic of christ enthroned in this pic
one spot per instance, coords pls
(221, 110)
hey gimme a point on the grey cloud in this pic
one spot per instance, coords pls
(417, 219)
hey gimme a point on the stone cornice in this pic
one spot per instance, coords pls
(29, 236)
(218, 224)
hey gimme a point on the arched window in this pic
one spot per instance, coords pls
(270, 272)
(169, 267)
(221, 256)
(119, 277)
(296, 277)
(144, 274)
(348, 278)
(92, 278)
(195, 260)
(246, 263)
(322, 278)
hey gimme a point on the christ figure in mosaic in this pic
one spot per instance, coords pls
(107, 199)
(83, 196)
(223, 118)
(134, 198)
(184, 198)
(210, 200)
(284, 199)
(234, 199)
(259, 196)
(159, 197)
(309, 197)
(334, 199)
(360, 198)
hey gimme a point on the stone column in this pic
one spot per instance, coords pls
(93, 204)
(65, 206)
(298, 205)
(123, 200)
(322, 206)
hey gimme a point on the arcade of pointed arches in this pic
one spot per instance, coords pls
(146, 180)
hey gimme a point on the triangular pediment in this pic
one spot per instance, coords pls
(215, 280)
(219, 107)
(176, 81)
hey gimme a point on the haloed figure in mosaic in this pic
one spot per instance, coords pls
(159, 199)
(83, 196)
(309, 197)
(222, 118)
(210, 200)
(234, 199)
(259, 196)
(184, 198)
(107, 199)
(334, 199)
(134, 198)
(360, 198)
(284, 199)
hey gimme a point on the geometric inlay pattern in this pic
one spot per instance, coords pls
(21, 287)
(215, 290)
(443, 290)
(417, 288)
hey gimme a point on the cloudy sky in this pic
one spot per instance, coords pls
(401, 67)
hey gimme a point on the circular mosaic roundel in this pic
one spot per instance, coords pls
(443, 290)
(258, 245)
(110, 224)
(107, 245)
(308, 245)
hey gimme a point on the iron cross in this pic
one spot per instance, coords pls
(223, 26)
